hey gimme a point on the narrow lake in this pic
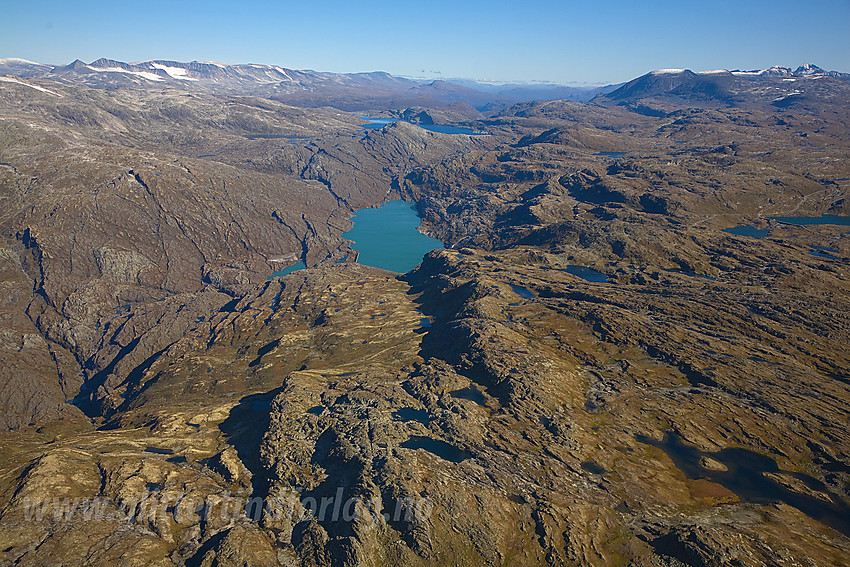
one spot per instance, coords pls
(747, 230)
(611, 154)
(823, 219)
(376, 123)
(387, 237)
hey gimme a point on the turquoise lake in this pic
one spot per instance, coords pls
(384, 238)
(387, 237)
(289, 269)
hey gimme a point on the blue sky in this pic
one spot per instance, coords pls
(546, 40)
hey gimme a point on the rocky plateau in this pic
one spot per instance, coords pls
(591, 372)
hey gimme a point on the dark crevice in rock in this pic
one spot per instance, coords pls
(244, 429)
(91, 405)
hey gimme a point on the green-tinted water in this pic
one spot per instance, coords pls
(387, 237)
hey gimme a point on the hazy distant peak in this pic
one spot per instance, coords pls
(804, 70)
(667, 71)
(807, 69)
(23, 68)
(16, 60)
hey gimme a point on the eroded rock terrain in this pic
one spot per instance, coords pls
(591, 373)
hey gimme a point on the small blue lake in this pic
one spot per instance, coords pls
(823, 219)
(289, 269)
(376, 123)
(522, 291)
(387, 237)
(747, 230)
(587, 274)
(823, 252)
(610, 154)
(751, 231)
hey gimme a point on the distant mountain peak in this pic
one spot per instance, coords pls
(807, 69)
(19, 61)
(668, 71)
(719, 86)
(17, 67)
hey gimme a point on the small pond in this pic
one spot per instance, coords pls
(587, 274)
(747, 230)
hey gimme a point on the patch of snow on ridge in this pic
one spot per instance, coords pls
(174, 72)
(776, 70)
(714, 72)
(667, 71)
(142, 74)
(19, 60)
(282, 72)
(789, 95)
(36, 87)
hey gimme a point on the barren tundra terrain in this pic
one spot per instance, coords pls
(592, 372)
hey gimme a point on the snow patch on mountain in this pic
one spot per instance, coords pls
(142, 74)
(808, 69)
(36, 87)
(174, 72)
(282, 71)
(8, 60)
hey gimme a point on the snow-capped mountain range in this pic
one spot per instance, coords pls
(774, 86)
(806, 70)
(300, 87)
(357, 91)
(108, 71)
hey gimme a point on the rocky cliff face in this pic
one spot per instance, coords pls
(594, 373)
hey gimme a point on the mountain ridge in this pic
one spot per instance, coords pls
(381, 90)
(764, 87)
(309, 88)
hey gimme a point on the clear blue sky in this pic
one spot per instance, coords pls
(549, 40)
